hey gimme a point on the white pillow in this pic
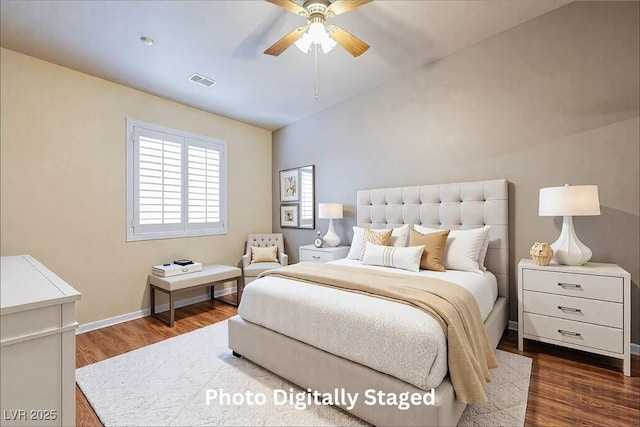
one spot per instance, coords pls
(396, 257)
(399, 237)
(464, 247)
(484, 249)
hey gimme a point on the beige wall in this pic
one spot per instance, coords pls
(63, 192)
(552, 101)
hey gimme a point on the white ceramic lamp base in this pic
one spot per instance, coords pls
(331, 238)
(568, 249)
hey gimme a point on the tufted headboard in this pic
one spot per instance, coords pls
(460, 205)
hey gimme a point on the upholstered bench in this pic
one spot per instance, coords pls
(210, 275)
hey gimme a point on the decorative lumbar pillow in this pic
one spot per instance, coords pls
(268, 254)
(463, 247)
(390, 256)
(434, 245)
(399, 238)
(382, 238)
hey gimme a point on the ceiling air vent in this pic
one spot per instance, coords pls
(200, 79)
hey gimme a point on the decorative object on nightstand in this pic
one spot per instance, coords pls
(318, 242)
(567, 202)
(330, 211)
(541, 253)
(582, 307)
(313, 254)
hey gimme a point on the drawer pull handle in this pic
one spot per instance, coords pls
(569, 333)
(569, 309)
(569, 286)
(316, 257)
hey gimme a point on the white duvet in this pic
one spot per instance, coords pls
(390, 337)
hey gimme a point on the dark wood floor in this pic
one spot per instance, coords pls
(567, 387)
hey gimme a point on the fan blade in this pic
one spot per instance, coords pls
(351, 43)
(281, 45)
(342, 6)
(290, 6)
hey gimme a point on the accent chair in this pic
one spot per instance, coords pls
(260, 256)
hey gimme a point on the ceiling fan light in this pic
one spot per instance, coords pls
(304, 43)
(317, 32)
(328, 44)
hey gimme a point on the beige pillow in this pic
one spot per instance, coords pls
(382, 238)
(268, 254)
(434, 245)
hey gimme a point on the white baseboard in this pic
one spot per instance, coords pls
(98, 324)
(634, 348)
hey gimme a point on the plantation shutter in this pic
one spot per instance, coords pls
(159, 182)
(205, 184)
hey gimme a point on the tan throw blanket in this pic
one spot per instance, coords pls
(470, 354)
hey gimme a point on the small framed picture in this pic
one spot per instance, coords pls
(289, 185)
(289, 215)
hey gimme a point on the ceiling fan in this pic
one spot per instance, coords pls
(316, 32)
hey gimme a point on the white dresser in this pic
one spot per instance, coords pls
(38, 345)
(324, 254)
(584, 307)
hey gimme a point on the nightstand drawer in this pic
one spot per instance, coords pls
(604, 288)
(579, 309)
(315, 256)
(310, 253)
(575, 333)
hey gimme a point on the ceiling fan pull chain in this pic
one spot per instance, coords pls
(315, 70)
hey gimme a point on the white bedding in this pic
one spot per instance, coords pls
(391, 337)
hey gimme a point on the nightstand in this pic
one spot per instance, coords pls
(324, 254)
(585, 307)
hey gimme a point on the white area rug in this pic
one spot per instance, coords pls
(165, 384)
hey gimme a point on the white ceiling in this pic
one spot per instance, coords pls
(224, 40)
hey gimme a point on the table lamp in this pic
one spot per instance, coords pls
(567, 202)
(330, 211)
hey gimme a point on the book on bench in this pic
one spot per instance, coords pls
(168, 270)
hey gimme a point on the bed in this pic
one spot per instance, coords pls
(271, 332)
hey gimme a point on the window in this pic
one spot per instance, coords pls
(306, 197)
(176, 183)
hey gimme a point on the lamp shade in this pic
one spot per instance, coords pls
(569, 200)
(329, 210)
(304, 43)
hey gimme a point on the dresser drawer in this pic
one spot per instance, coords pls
(27, 323)
(576, 333)
(315, 256)
(603, 313)
(604, 288)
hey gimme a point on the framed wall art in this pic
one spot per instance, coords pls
(289, 216)
(289, 185)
